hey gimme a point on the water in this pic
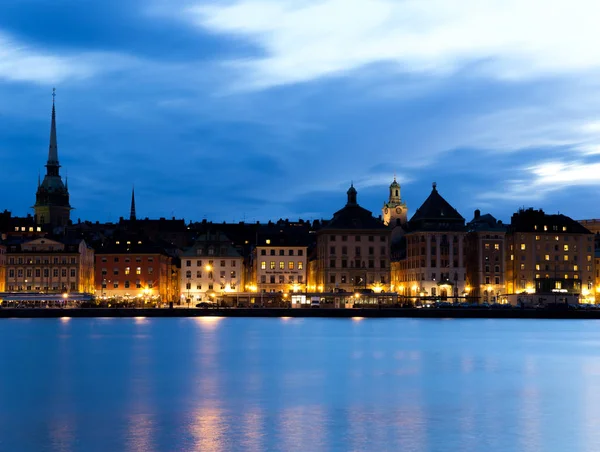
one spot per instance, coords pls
(299, 385)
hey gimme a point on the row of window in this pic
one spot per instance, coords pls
(232, 274)
(299, 265)
(188, 286)
(30, 229)
(29, 273)
(357, 250)
(444, 263)
(12, 288)
(127, 284)
(281, 279)
(138, 271)
(358, 238)
(127, 259)
(281, 252)
(496, 246)
(41, 260)
(523, 247)
(356, 263)
(433, 239)
(556, 257)
(444, 251)
(358, 281)
(222, 263)
(421, 276)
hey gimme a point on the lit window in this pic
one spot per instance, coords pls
(564, 229)
(556, 238)
(512, 257)
(566, 276)
(127, 269)
(496, 246)
(300, 265)
(138, 271)
(537, 266)
(281, 265)
(487, 246)
(547, 257)
(566, 247)
(537, 237)
(535, 227)
(575, 268)
(522, 246)
(566, 257)
(522, 266)
(545, 228)
(272, 265)
(268, 242)
(263, 265)
(537, 276)
(290, 265)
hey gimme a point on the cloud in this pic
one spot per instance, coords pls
(539, 180)
(306, 40)
(21, 63)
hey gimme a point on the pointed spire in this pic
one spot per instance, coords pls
(39, 180)
(351, 195)
(53, 150)
(132, 212)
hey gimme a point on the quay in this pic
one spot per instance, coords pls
(356, 313)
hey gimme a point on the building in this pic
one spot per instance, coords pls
(353, 251)
(211, 267)
(549, 256)
(131, 267)
(52, 197)
(485, 261)
(2, 268)
(50, 266)
(433, 260)
(279, 263)
(394, 210)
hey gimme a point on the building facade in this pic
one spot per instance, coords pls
(353, 251)
(131, 268)
(52, 197)
(2, 268)
(210, 268)
(485, 258)
(279, 268)
(433, 262)
(49, 266)
(551, 256)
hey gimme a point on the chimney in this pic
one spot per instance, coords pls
(477, 213)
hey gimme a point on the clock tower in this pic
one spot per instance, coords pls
(395, 210)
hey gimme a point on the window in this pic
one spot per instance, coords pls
(487, 246)
(263, 279)
(64, 272)
(222, 274)
(497, 280)
(263, 252)
(300, 265)
(290, 265)
(188, 274)
(222, 263)
(138, 284)
(115, 271)
(523, 246)
(232, 273)
(198, 263)
(116, 284)
(198, 286)
(272, 279)
(198, 274)
(522, 266)
(127, 270)
(537, 237)
(344, 238)
(188, 286)
(188, 263)
(566, 257)
(382, 264)
(332, 263)
(263, 265)
(332, 250)
(371, 238)
(150, 270)
(332, 279)
(575, 268)
(138, 270)
(300, 252)
(547, 257)
(281, 265)
(565, 247)
(537, 266)
(126, 284)
(54, 273)
(272, 265)
(290, 252)
(272, 252)
(332, 238)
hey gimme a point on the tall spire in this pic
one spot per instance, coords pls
(132, 212)
(53, 165)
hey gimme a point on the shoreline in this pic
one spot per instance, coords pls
(464, 313)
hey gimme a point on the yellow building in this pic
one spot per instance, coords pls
(550, 257)
(49, 266)
(2, 268)
(432, 262)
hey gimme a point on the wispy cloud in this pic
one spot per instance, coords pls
(20, 62)
(306, 40)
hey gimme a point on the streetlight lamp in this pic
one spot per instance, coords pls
(65, 298)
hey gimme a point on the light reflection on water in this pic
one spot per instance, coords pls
(282, 384)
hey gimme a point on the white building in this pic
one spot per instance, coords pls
(212, 267)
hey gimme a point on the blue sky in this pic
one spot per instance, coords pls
(257, 110)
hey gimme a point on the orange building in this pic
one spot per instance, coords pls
(2, 268)
(132, 268)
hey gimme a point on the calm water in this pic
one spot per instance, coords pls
(299, 385)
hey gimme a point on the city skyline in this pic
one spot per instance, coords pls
(213, 113)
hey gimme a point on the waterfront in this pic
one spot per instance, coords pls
(290, 384)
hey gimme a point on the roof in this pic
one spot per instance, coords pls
(530, 220)
(436, 213)
(214, 245)
(352, 216)
(486, 222)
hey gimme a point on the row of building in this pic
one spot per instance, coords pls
(433, 254)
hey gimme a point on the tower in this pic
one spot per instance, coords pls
(395, 210)
(52, 196)
(132, 211)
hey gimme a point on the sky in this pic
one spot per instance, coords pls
(250, 110)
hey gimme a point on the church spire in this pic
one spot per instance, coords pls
(132, 212)
(52, 166)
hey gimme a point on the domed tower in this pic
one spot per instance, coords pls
(394, 211)
(52, 196)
